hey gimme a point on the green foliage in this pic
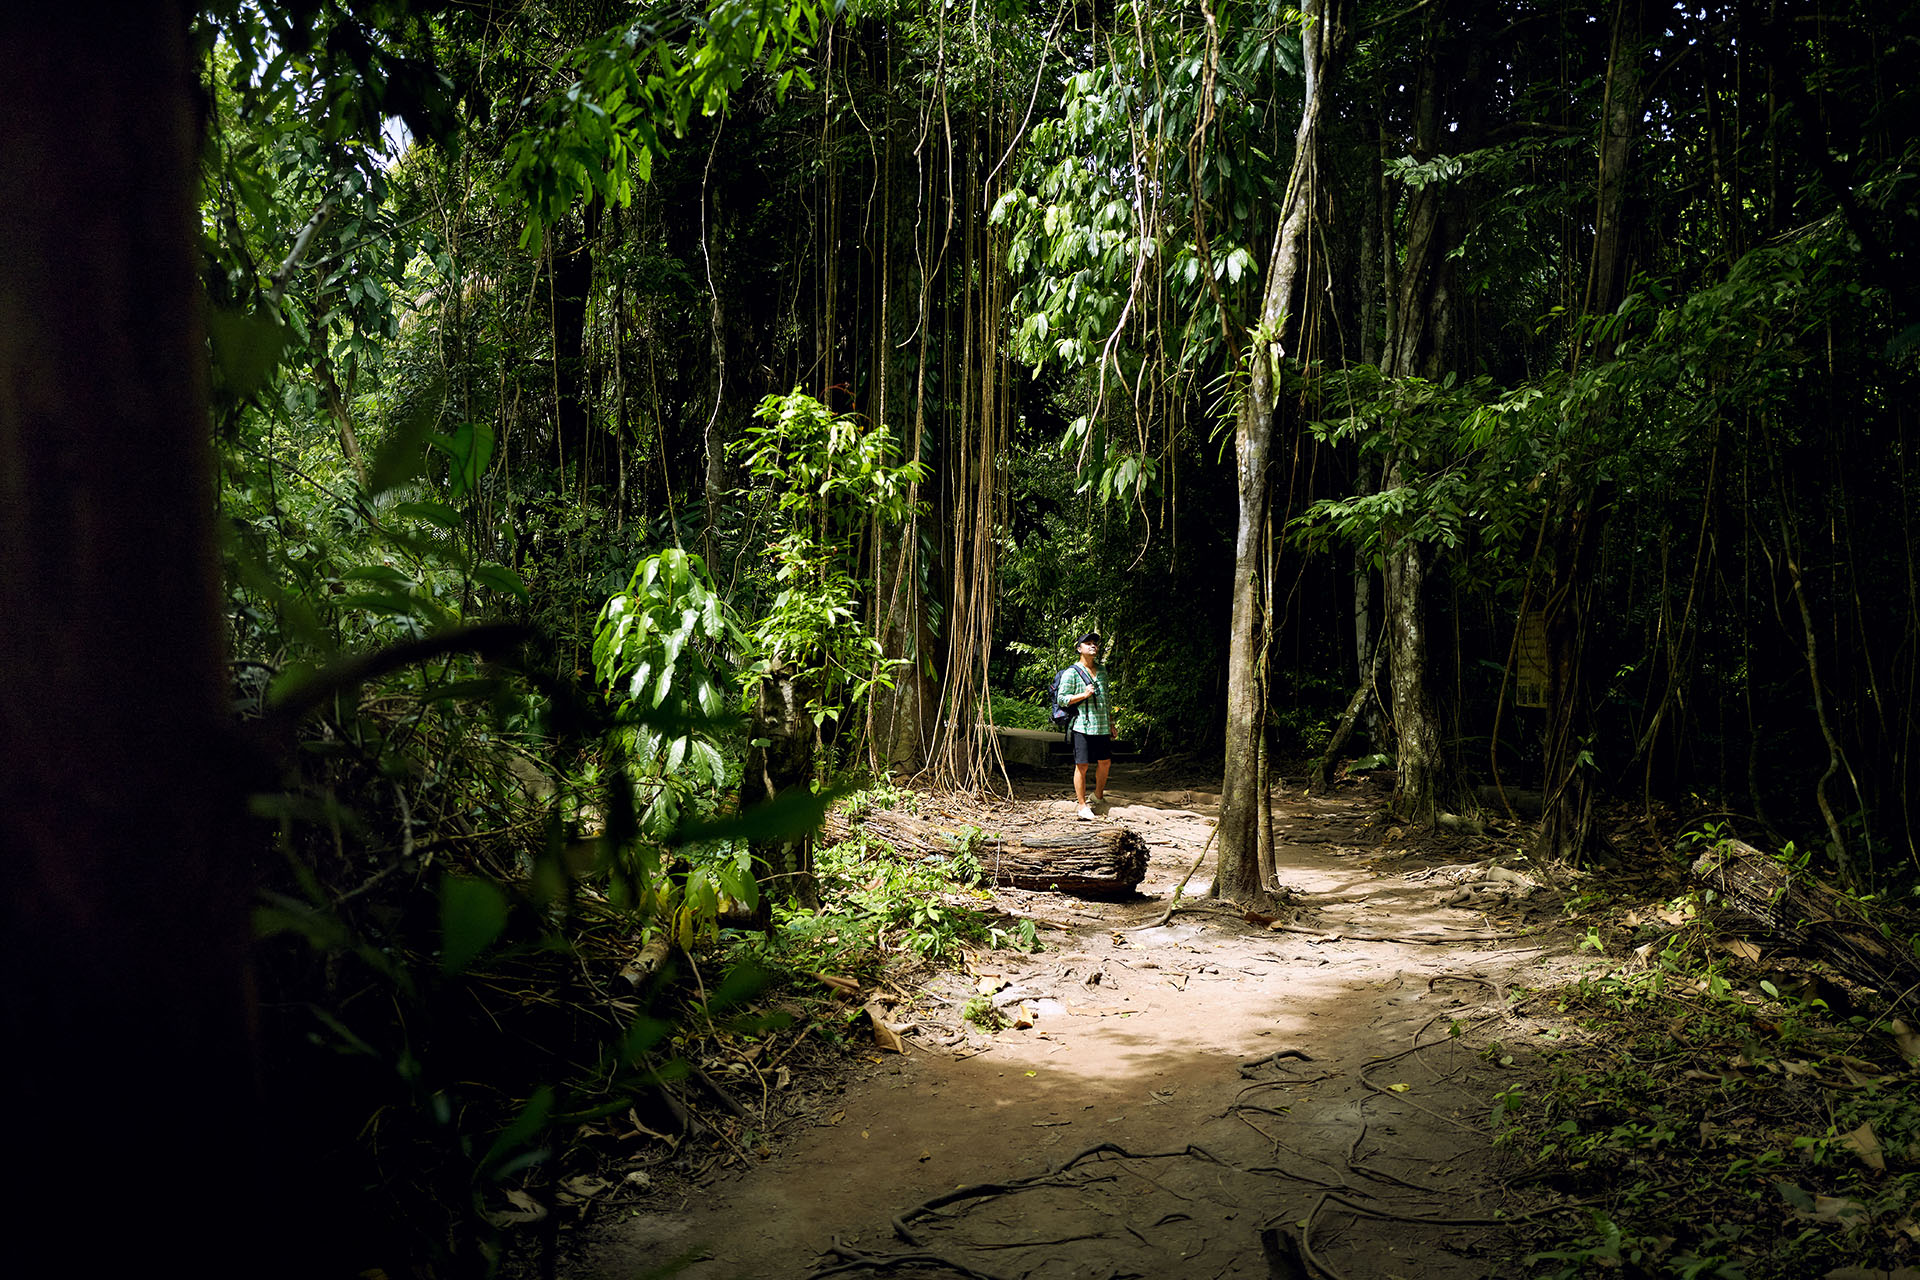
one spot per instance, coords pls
(1019, 713)
(1307, 706)
(531, 425)
(1706, 1114)
(828, 481)
(661, 640)
(600, 136)
(659, 647)
(1080, 240)
(929, 905)
(1467, 462)
(980, 1012)
(1024, 937)
(874, 901)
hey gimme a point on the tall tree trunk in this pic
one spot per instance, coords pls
(342, 414)
(123, 903)
(1415, 345)
(1427, 784)
(1243, 804)
(570, 285)
(1566, 827)
(782, 865)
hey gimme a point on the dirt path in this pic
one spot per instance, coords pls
(1208, 1086)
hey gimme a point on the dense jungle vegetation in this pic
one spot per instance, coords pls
(477, 480)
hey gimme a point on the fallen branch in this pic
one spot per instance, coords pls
(981, 1190)
(648, 962)
(1273, 1059)
(1173, 903)
(855, 1260)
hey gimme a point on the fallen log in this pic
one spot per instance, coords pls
(647, 962)
(1758, 894)
(1088, 860)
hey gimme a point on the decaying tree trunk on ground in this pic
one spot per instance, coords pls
(1757, 893)
(1087, 860)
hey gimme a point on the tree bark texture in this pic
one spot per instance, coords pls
(781, 866)
(1243, 805)
(1089, 860)
(123, 903)
(1416, 346)
(1607, 272)
(1427, 784)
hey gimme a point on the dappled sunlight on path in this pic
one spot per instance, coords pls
(1286, 1061)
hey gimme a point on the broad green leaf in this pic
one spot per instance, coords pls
(472, 914)
(377, 573)
(790, 813)
(247, 347)
(500, 578)
(436, 513)
(400, 456)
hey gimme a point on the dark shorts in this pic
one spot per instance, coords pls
(1089, 747)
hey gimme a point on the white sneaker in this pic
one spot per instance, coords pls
(1086, 813)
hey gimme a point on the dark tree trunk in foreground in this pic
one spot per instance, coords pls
(123, 921)
(783, 865)
(1243, 802)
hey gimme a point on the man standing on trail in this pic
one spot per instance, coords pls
(1084, 690)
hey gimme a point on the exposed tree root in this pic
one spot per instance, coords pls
(1272, 1059)
(856, 1260)
(1337, 935)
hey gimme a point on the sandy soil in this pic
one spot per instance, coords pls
(1185, 1098)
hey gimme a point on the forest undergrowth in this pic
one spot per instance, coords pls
(485, 1036)
(1724, 1103)
(478, 1043)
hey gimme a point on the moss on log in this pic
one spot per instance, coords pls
(1088, 860)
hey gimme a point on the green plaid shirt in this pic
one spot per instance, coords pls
(1095, 715)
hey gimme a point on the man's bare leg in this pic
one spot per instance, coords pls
(1080, 783)
(1099, 781)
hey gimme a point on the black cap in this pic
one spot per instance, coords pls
(1092, 638)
